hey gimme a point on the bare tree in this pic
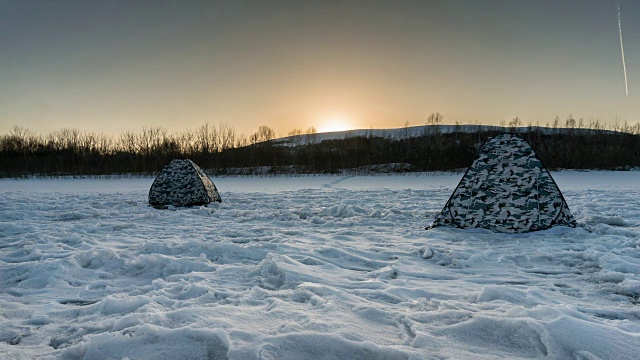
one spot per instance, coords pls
(128, 142)
(151, 138)
(266, 133)
(311, 135)
(405, 130)
(295, 137)
(242, 141)
(227, 135)
(435, 119)
(203, 140)
(570, 122)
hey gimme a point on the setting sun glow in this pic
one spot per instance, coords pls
(335, 123)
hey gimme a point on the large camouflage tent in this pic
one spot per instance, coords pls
(182, 183)
(506, 189)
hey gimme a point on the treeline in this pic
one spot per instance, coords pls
(73, 152)
(218, 148)
(438, 151)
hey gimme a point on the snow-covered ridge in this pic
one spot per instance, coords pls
(415, 131)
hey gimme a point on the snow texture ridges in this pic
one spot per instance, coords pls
(318, 267)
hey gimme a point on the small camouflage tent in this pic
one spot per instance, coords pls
(182, 183)
(506, 189)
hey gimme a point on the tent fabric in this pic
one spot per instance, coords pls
(182, 183)
(506, 189)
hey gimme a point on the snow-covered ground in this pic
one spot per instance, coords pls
(315, 267)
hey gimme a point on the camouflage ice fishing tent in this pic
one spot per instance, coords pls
(182, 183)
(507, 190)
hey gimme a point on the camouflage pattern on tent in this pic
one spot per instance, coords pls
(506, 189)
(182, 183)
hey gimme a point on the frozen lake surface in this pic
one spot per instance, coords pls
(313, 267)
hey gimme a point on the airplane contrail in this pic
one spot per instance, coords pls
(624, 66)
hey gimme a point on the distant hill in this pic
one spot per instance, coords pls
(423, 130)
(434, 148)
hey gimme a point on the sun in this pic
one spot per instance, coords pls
(335, 123)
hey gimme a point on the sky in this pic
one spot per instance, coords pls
(116, 65)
